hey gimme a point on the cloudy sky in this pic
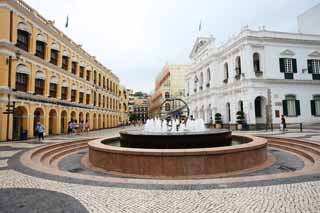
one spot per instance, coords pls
(136, 38)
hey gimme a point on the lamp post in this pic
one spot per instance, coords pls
(10, 108)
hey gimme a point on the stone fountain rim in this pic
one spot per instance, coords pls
(255, 143)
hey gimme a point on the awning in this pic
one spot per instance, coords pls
(24, 27)
(54, 80)
(21, 68)
(40, 75)
(42, 37)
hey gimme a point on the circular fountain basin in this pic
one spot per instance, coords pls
(175, 140)
(177, 163)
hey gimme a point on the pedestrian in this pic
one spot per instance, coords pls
(283, 125)
(81, 127)
(86, 126)
(70, 125)
(40, 131)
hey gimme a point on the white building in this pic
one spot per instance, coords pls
(263, 73)
(308, 22)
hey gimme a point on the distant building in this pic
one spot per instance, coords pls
(169, 83)
(138, 106)
(309, 21)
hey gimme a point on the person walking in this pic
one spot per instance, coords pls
(283, 125)
(40, 131)
(86, 126)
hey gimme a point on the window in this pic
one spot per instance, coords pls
(226, 73)
(103, 82)
(314, 69)
(99, 80)
(22, 82)
(208, 75)
(53, 90)
(81, 72)
(40, 49)
(73, 95)
(288, 66)
(315, 105)
(80, 97)
(291, 106)
(87, 98)
(74, 68)
(23, 40)
(167, 107)
(39, 86)
(65, 62)
(54, 57)
(256, 62)
(95, 77)
(107, 84)
(88, 75)
(99, 100)
(94, 98)
(201, 80)
(238, 67)
(64, 93)
(167, 95)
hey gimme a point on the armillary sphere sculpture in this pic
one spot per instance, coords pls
(174, 108)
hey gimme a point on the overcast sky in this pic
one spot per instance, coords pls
(135, 38)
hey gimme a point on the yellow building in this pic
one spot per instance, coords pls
(124, 102)
(49, 77)
(169, 83)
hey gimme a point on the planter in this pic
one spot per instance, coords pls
(218, 126)
(239, 126)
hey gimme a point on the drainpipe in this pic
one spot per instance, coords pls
(9, 74)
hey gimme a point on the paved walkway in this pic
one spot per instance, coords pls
(24, 193)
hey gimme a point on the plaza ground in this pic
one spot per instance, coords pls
(29, 191)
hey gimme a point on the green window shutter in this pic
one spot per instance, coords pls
(294, 65)
(281, 62)
(310, 69)
(313, 107)
(298, 108)
(285, 107)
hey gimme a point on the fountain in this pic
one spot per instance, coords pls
(177, 149)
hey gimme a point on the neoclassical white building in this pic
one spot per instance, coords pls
(263, 73)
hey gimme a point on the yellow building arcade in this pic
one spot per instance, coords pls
(47, 77)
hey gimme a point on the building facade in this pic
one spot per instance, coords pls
(308, 22)
(49, 78)
(262, 73)
(123, 106)
(138, 107)
(169, 83)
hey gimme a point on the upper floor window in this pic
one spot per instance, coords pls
(87, 98)
(314, 68)
(22, 82)
(81, 74)
(88, 75)
(226, 73)
(39, 86)
(94, 98)
(208, 77)
(201, 80)
(167, 95)
(256, 63)
(288, 66)
(167, 107)
(73, 95)
(23, 40)
(40, 49)
(99, 79)
(54, 56)
(94, 77)
(65, 62)
(238, 68)
(291, 106)
(53, 90)
(81, 97)
(64, 93)
(315, 105)
(74, 67)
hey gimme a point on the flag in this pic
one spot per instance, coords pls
(67, 22)
(200, 26)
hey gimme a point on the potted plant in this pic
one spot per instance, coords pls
(240, 119)
(218, 121)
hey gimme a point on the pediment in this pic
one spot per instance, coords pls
(200, 43)
(314, 54)
(287, 52)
